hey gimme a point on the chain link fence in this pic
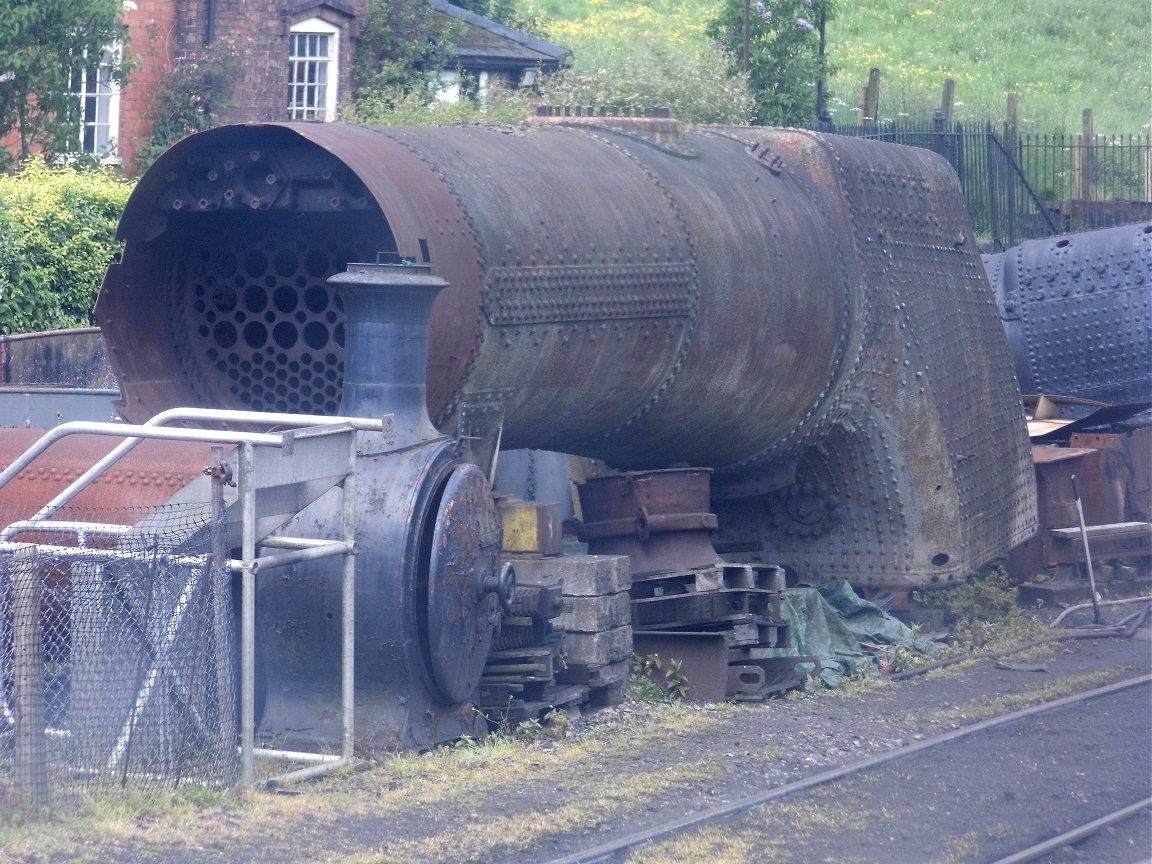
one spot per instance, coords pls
(117, 647)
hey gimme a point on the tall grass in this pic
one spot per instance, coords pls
(1059, 56)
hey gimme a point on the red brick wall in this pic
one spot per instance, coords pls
(164, 32)
(152, 39)
(261, 29)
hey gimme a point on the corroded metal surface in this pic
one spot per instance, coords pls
(465, 557)
(788, 309)
(148, 476)
(427, 550)
(60, 358)
(659, 519)
(1078, 312)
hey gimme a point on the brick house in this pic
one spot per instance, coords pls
(298, 57)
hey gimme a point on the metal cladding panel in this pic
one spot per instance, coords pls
(1078, 312)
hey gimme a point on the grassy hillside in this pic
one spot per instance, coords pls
(1060, 56)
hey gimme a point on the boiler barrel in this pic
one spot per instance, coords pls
(638, 302)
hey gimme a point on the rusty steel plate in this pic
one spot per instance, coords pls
(149, 475)
(465, 555)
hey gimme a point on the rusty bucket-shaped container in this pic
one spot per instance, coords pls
(659, 519)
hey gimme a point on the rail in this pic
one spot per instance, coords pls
(609, 851)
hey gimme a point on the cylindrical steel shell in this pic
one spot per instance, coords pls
(1078, 312)
(640, 303)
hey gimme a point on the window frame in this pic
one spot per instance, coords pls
(105, 94)
(325, 109)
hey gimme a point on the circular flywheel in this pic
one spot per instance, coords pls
(464, 568)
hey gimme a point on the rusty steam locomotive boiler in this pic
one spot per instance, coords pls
(805, 315)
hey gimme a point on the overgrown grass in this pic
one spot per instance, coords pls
(551, 787)
(1060, 58)
(111, 817)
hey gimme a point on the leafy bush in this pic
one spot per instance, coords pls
(400, 51)
(690, 80)
(783, 54)
(396, 106)
(57, 236)
(645, 56)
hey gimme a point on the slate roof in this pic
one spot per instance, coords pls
(488, 44)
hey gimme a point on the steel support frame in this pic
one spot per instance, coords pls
(249, 566)
(297, 549)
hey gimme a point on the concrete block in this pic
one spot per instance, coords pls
(579, 575)
(597, 649)
(593, 614)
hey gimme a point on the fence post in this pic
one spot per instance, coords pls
(1087, 190)
(872, 99)
(220, 577)
(1011, 137)
(1147, 166)
(948, 102)
(28, 677)
(990, 157)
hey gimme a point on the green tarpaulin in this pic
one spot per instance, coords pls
(834, 624)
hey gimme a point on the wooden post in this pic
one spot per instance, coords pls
(1012, 120)
(872, 98)
(948, 102)
(28, 677)
(1087, 189)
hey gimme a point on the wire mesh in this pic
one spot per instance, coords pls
(117, 649)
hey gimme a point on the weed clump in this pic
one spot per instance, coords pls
(654, 680)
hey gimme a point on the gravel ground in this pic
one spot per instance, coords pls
(618, 771)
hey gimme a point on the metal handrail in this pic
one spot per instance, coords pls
(82, 530)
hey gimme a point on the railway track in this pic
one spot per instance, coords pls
(971, 795)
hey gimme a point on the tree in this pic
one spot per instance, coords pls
(401, 50)
(45, 48)
(785, 63)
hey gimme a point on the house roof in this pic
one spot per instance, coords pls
(308, 5)
(488, 43)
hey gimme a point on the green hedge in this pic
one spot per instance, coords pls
(57, 236)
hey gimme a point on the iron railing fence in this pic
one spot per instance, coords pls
(117, 651)
(1024, 187)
